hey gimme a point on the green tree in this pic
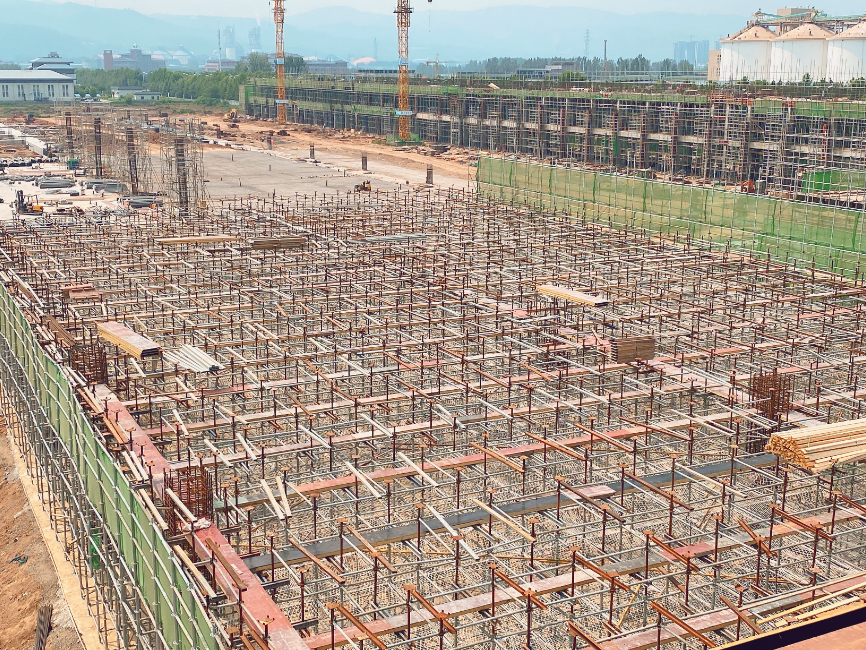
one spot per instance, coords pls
(255, 62)
(572, 76)
(102, 80)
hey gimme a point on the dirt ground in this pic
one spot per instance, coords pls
(453, 163)
(30, 580)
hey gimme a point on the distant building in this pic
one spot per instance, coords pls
(136, 92)
(35, 85)
(328, 67)
(547, 72)
(379, 72)
(255, 39)
(135, 59)
(54, 63)
(231, 49)
(215, 65)
(183, 56)
(695, 52)
(714, 65)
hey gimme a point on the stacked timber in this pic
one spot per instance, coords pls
(818, 448)
(277, 243)
(80, 292)
(127, 340)
(195, 239)
(629, 349)
(570, 295)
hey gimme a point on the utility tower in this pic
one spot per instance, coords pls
(280, 62)
(403, 12)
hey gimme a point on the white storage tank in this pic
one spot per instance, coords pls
(800, 52)
(746, 54)
(846, 53)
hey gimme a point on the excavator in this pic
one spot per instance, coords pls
(363, 187)
(231, 116)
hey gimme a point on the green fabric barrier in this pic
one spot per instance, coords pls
(829, 236)
(157, 573)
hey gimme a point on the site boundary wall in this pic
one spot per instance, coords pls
(132, 581)
(830, 237)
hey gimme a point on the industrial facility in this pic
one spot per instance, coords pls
(793, 45)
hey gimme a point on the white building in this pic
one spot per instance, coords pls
(799, 52)
(846, 54)
(35, 85)
(137, 92)
(747, 54)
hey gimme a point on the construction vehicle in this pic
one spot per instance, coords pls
(231, 116)
(748, 186)
(26, 207)
(363, 187)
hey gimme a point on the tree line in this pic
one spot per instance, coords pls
(203, 87)
(511, 65)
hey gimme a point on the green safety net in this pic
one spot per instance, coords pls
(831, 237)
(157, 573)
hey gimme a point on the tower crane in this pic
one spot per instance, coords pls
(436, 63)
(280, 62)
(403, 11)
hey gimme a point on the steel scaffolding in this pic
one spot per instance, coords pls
(422, 419)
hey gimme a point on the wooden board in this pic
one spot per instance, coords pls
(629, 349)
(127, 340)
(818, 448)
(277, 243)
(195, 239)
(570, 295)
(80, 292)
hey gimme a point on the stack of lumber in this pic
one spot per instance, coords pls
(196, 239)
(277, 243)
(570, 295)
(818, 448)
(629, 349)
(77, 292)
(127, 340)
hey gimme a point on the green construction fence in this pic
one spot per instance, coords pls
(178, 616)
(829, 236)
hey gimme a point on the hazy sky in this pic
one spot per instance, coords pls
(261, 8)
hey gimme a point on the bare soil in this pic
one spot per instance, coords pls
(454, 162)
(30, 580)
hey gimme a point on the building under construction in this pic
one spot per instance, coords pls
(116, 145)
(423, 419)
(796, 145)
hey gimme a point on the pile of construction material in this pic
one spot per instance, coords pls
(570, 295)
(127, 340)
(277, 243)
(632, 348)
(819, 448)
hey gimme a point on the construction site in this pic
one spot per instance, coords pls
(608, 396)
(768, 141)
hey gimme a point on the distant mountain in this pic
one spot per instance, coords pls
(76, 30)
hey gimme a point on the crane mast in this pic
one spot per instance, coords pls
(403, 12)
(280, 63)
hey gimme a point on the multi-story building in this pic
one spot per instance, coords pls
(55, 63)
(35, 85)
(135, 59)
